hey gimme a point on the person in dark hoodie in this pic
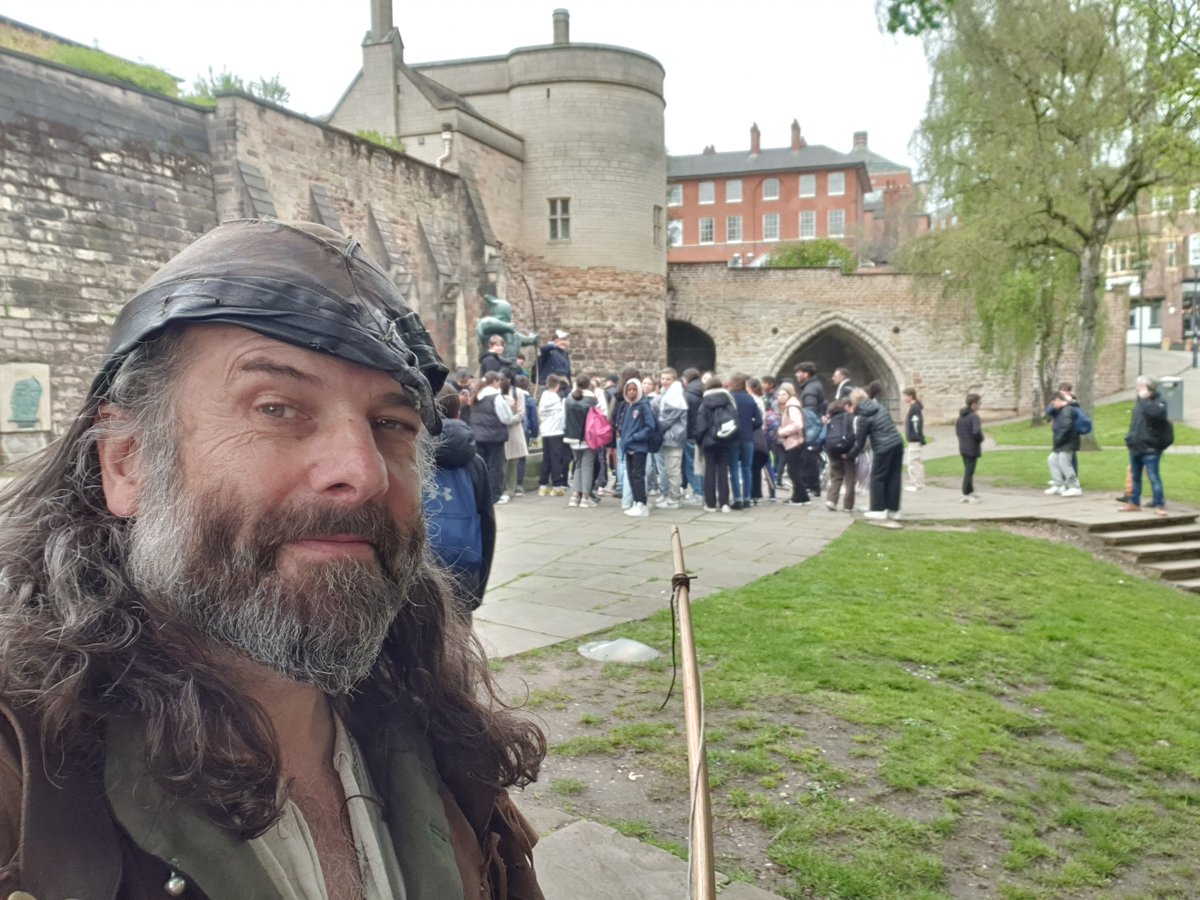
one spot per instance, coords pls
(969, 430)
(914, 433)
(459, 514)
(716, 404)
(637, 425)
(741, 454)
(693, 392)
(493, 360)
(875, 425)
(1150, 433)
(1065, 445)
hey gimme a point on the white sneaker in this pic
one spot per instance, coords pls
(974, 498)
(831, 506)
(894, 515)
(875, 514)
(1053, 490)
(912, 488)
(588, 503)
(504, 498)
(573, 502)
(710, 509)
(667, 504)
(543, 491)
(1073, 492)
(726, 508)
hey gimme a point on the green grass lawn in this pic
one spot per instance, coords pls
(1111, 422)
(1102, 471)
(987, 684)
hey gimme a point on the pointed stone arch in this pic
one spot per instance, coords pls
(833, 339)
(690, 346)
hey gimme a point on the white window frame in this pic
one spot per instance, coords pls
(1172, 255)
(811, 181)
(709, 188)
(840, 215)
(733, 190)
(712, 229)
(809, 216)
(837, 184)
(674, 232)
(560, 218)
(675, 194)
(729, 229)
(767, 184)
(770, 219)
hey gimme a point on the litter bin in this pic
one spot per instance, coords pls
(1170, 388)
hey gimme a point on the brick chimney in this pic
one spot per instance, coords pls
(860, 140)
(797, 141)
(755, 140)
(710, 150)
(562, 26)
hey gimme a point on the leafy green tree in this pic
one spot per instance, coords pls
(1050, 117)
(206, 88)
(915, 16)
(820, 253)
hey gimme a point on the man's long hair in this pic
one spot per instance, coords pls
(77, 645)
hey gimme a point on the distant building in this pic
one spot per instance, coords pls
(736, 207)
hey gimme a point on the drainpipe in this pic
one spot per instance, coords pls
(447, 139)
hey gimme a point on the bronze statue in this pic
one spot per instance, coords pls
(500, 323)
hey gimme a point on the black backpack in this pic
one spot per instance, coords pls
(725, 424)
(839, 436)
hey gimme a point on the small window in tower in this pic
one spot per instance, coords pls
(658, 226)
(560, 218)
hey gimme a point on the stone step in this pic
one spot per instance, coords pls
(1175, 570)
(1133, 521)
(1188, 584)
(1143, 535)
(1162, 551)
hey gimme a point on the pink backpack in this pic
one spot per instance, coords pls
(597, 430)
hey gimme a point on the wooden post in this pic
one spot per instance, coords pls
(703, 870)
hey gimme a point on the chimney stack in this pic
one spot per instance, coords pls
(755, 139)
(562, 26)
(710, 150)
(381, 19)
(797, 141)
(860, 140)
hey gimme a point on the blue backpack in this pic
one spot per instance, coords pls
(1083, 423)
(455, 534)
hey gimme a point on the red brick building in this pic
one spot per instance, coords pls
(735, 207)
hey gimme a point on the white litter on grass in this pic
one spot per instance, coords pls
(622, 650)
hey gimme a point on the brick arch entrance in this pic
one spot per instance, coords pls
(689, 346)
(834, 339)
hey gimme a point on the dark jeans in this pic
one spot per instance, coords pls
(810, 471)
(758, 466)
(492, 453)
(1148, 462)
(795, 468)
(554, 461)
(886, 475)
(969, 463)
(716, 475)
(635, 474)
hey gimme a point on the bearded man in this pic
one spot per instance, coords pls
(228, 667)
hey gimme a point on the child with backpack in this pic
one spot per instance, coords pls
(839, 442)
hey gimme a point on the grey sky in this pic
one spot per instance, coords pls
(728, 64)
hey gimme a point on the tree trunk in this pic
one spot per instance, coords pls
(1089, 276)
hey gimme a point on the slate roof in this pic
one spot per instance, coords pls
(875, 162)
(740, 162)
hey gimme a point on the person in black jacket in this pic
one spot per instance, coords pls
(450, 518)
(969, 431)
(1150, 433)
(914, 433)
(875, 424)
(693, 393)
(1065, 446)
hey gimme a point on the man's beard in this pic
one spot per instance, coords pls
(203, 564)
